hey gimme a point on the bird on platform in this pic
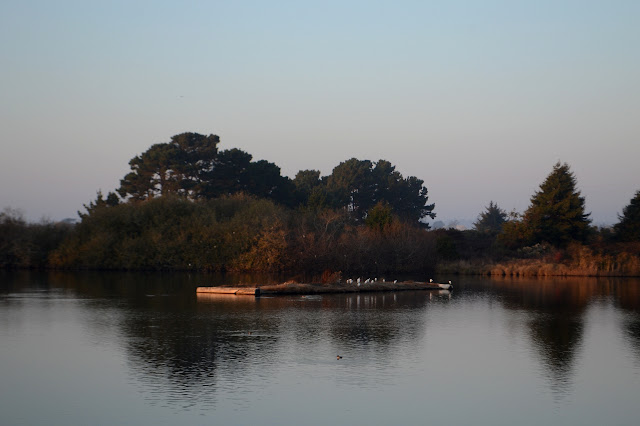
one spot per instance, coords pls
(395, 281)
(431, 280)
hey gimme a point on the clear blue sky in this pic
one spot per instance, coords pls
(478, 98)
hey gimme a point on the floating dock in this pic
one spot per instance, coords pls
(240, 291)
(301, 288)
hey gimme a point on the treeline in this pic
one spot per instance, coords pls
(186, 205)
(192, 166)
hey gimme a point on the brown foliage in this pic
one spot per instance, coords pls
(576, 260)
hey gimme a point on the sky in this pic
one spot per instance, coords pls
(477, 98)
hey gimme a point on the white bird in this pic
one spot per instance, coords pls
(431, 280)
(395, 281)
(375, 279)
(358, 281)
(367, 281)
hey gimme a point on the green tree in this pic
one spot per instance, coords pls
(350, 186)
(407, 196)
(379, 217)
(491, 220)
(177, 167)
(263, 179)
(556, 214)
(307, 182)
(358, 185)
(191, 165)
(100, 202)
(628, 227)
(234, 171)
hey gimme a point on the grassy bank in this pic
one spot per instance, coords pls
(621, 260)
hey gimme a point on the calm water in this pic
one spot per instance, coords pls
(79, 349)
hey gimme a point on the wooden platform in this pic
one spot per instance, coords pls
(240, 291)
(302, 288)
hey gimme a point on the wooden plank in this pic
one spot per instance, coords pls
(218, 290)
(248, 291)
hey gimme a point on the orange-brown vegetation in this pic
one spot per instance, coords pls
(608, 260)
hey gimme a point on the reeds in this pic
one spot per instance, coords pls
(576, 260)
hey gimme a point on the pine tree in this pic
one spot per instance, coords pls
(628, 229)
(556, 214)
(491, 220)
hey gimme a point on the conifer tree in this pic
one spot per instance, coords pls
(491, 220)
(628, 229)
(557, 214)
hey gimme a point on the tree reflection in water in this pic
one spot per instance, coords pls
(555, 309)
(183, 349)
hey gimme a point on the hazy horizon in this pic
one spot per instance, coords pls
(478, 99)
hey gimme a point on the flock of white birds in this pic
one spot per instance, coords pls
(367, 281)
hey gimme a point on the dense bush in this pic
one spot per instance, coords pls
(240, 233)
(168, 233)
(24, 245)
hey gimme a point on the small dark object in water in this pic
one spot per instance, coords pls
(338, 357)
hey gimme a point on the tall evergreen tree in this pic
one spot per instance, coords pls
(491, 220)
(556, 214)
(628, 229)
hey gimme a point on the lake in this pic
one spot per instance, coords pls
(116, 348)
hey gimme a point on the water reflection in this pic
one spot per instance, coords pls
(555, 311)
(183, 349)
(628, 301)
(556, 325)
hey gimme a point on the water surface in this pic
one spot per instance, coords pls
(107, 348)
